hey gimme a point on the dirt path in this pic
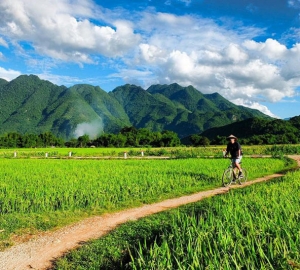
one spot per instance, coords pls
(39, 252)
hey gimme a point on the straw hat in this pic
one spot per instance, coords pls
(231, 137)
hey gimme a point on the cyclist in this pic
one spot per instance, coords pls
(235, 150)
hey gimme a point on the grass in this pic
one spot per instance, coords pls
(252, 228)
(41, 194)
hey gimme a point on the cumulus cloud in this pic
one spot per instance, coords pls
(63, 29)
(270, 49)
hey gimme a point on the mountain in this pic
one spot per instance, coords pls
(2, 82)
(31, 105)
(262, 129)
(146, 110)
(201, 111)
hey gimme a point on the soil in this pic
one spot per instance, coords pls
(40, 251)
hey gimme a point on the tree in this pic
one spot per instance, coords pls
(29, 140)
(83, 140)
(204, 141)
(170, 138)
(144, 136)
(48, 139)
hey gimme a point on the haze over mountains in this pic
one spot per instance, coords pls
(31, 105)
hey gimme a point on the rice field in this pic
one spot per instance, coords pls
(256, 228)
(252, 228)
(39, 194)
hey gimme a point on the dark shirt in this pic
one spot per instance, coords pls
(233, 149)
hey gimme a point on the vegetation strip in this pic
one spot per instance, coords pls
(38, 254)
(149, 152)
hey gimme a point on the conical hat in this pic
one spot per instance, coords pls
(231, 137)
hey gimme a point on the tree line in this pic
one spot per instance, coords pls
(127, 137)
(133, 137)
(16, 140)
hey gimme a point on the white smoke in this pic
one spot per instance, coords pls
(93, 129)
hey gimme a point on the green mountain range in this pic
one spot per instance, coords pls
(31, 105)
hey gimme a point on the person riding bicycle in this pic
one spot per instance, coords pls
(235, 150)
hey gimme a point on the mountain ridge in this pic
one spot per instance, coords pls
(31, 105)
(255, 131)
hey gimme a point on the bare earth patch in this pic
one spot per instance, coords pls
(40, 251)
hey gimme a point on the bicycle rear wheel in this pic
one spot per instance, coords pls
(227, 177)
(245, 177)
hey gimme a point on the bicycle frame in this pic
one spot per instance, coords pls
(230, 175)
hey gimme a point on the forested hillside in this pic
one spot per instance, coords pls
(254, 131)
(31, 105)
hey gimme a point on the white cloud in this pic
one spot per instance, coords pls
(3, 43)
(235, 54)
(292, 33)
(138, 77)
(151, 53)
(60, 79)
(255, 105)
(271, 48)
(62, 29)
(9, 74)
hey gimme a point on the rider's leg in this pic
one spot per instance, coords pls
(238, 165)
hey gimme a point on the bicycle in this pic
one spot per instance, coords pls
(230, 175)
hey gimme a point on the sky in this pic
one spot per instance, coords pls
(247, 51)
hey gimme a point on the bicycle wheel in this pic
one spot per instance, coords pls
(245, 177)
(227, 177)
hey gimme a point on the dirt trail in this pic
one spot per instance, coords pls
(39, 252)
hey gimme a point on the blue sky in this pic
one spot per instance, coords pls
(248, 51)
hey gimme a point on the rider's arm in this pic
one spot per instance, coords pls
(240, 150)
(225, 152)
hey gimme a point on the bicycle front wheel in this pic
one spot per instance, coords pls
(227, 177)
(244, 178)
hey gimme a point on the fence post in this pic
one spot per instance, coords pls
(70, 154)
(125, 155)
(15, 154)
